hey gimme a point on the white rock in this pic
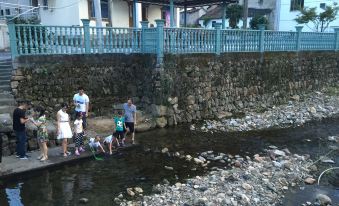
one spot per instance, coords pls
(279, 153)
(247, 186)
(130, 192)
(198, 161)
(328, 161)
(165, 150)
(138, 190)
(323, 200)
(188, 157)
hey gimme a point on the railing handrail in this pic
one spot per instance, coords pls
(29, 39)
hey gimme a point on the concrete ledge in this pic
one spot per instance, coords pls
(12, 166)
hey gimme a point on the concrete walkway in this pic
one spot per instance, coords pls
(12, 166)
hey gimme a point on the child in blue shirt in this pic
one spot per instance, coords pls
(119, 128)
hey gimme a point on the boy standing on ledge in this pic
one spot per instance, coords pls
(81, 102)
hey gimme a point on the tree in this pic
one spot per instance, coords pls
(320, 21)
(258, 20)
(234, 13)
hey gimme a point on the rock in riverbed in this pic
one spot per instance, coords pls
(255, 182)
(293, 114)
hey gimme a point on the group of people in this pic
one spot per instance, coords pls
(124, 123)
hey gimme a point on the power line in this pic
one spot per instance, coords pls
(61, 7)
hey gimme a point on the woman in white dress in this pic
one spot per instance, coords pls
(64, 129)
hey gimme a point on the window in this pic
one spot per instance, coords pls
(1, 12)
(144, 12)
(213, 23)
(296, 5)
(104, 9)
(35, 3)
(323, 6)
(45, 4)
(8, 12)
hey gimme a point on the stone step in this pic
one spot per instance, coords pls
(5, 77)
(6, 109)
(6, 95)
(6, 72)
(7, 101)
(5, 88)
(6, 69)
(5, 82)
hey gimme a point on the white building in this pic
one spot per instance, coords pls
(115, 13)
(288, 11)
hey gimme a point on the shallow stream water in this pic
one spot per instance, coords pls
(143, 166)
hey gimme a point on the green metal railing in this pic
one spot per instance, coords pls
(37, 39)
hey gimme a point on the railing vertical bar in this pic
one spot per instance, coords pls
(18, 31)
(25, 40)
(41, 44)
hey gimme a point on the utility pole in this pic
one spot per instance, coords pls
(245, 16)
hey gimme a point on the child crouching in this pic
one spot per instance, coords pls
(94, 143)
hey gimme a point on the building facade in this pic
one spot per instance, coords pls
(115, 13)
(288, 11)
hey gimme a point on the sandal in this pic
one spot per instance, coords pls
(40, 157)
(44, 159)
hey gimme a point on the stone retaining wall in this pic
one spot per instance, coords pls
(205, 86)
(107, 78)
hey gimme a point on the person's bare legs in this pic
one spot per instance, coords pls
(45, 151)
(64, 146)
(133, 137)
(110, 147)
(41, 150)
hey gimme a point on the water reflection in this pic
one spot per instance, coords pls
(144, 166)
(13, 195)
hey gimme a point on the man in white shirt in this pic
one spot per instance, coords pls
(81, 102)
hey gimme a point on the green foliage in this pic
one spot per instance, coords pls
(32, 20)
(320, 21)
(257, 20)
(234, 12)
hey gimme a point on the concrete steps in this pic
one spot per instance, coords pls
(5, 77)
(6, 109)
(5, 72)
(7, 101)
(5, 82)
(5, 88)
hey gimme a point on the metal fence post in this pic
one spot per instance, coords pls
(336, 37)
(262, 37)
(87, 36)
(160, 40)
(144, 26)
(218, 38)
(12, 37)
(298, 29)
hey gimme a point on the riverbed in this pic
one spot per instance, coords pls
(145, 166)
